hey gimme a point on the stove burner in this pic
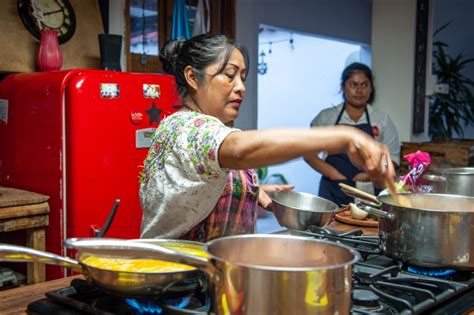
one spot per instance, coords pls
(432, 272)
(365, 298)
(83, 298)
(180, 305)
(144, 307)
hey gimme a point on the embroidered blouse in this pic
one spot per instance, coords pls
(184, 192)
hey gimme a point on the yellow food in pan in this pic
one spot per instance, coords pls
(134, 265)
(146, 265)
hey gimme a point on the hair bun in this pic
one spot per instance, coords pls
(169, 55)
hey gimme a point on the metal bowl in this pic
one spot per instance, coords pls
(298, 210)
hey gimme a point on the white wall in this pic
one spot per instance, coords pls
(344, 19)
(117, 25)
(393, 60)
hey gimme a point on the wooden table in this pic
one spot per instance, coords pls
(24, 210)
(16, 300)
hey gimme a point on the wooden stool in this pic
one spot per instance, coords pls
(24, 210)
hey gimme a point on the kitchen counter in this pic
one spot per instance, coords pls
(15, 301)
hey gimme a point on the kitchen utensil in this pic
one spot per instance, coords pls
(437, 231)
(259, 274)
(127, 284)
(401, 200)
(100, 232)
(298, 211)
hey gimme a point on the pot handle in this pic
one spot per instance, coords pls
(14, 253)
(124, 249)
(357, 193)
(377, 212)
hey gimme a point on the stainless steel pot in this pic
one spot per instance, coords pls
(436, 231)
(458, 180)
(259, 274)
(298, 211)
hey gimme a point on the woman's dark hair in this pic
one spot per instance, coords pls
(358, 67)
(198, 52)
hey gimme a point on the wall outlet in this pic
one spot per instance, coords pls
(441, 88)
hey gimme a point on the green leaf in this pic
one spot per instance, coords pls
(262, 173)
(448, 113)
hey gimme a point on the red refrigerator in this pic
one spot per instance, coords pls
(80, 137)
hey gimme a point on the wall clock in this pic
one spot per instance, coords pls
(53, 14)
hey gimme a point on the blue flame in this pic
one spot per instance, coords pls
(145, 307)
(179, 303)
(432, 272)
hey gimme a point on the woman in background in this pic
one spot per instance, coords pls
(198, 180)
(358, 92)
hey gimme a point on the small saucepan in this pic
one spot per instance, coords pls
(257, 274)
(173, 282)
(298, 210)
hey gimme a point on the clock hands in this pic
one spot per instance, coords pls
(52, 12)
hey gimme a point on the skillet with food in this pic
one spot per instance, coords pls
(131, 277)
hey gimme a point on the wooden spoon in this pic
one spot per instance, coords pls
(399, 199)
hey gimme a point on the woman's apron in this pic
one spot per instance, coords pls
(330, 189)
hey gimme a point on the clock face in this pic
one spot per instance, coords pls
(52, 14)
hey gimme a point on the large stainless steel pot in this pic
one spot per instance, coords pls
(298, 210)
(458, 180)
(129, 284)
(437, 230)
(259, 274)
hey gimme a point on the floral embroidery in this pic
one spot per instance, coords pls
(200, 143)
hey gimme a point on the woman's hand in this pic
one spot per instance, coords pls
(361, 177)
(373, 157)
(264, 200)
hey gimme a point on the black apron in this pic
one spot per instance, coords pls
(330, 189)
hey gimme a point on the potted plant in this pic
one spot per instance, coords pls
(450, 112)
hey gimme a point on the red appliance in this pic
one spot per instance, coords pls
(80, 137)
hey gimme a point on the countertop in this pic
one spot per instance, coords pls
(14, 301)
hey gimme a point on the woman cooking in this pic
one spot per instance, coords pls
(358, 93)
(198, 180)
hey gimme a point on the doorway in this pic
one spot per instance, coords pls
(299, 75)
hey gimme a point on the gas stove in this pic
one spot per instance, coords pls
(381, 285)
(81, 297)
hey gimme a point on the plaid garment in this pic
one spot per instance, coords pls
(235, 212)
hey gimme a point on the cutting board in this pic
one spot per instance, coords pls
(16, 197)
(346, 217)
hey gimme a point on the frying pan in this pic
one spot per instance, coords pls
(123, 283)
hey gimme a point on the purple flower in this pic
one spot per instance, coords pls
(200, 169)
(212, 154)
(198, 122)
